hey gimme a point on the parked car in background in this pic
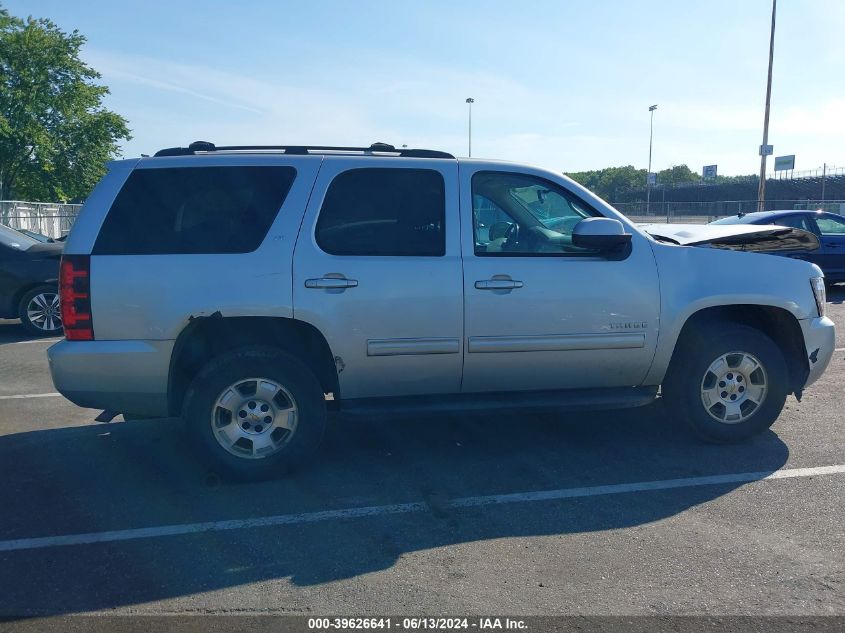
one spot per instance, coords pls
(29, 274)
(36, 236)
(248, 289)
(828, 227)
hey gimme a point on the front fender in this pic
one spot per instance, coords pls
(694, 279)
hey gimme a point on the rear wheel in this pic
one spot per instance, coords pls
(727, 382)
(39, 311)
(255, 413)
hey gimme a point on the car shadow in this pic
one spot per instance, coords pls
(141, 474)
(12, 331)
(836, 293)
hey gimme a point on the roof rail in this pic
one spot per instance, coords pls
(203, 147)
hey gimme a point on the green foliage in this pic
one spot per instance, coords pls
(677, 175)
(607, 183)
(55, 134)
(610, 182)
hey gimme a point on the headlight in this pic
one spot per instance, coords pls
(819, 293)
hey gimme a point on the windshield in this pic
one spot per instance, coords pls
(15, 239)
(731, 219)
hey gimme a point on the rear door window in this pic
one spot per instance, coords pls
(192, 210)
(794, 221)
(829, 225)
(384, 211)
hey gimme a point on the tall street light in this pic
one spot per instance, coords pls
(470, 101)
(648, 174)
(761, 191)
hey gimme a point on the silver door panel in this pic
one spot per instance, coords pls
(555, 322)
(398, 330)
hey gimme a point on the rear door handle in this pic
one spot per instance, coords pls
(498, 284)
(331, 283)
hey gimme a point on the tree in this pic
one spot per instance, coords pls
(609, 182)
(677, 175)
(55, 134)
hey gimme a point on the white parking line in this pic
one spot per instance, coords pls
(32, 395)
(839, 349)
(38, 340)
(408, 508)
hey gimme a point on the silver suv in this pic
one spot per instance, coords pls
(248, 290)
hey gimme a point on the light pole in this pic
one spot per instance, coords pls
(470, 101)
(648, 174)
(761, 191)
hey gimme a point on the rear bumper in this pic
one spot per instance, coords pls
(121, 376)
(820, 341)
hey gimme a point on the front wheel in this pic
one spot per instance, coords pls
(727, 382)
(255, 413)
(39, 311)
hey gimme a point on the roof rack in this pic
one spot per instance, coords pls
(204, 147)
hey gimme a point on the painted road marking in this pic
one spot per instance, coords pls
(32, 395)
(408, 508)
(38, 340)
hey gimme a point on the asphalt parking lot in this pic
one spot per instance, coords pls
(454, 515)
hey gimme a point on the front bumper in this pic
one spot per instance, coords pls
(121, 376)
(819, 341)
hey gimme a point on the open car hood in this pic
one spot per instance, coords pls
(737, 237)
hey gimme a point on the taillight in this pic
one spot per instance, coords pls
(75, 297)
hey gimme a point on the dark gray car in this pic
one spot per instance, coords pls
(29, 273)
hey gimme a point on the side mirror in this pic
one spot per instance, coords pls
(600, 234)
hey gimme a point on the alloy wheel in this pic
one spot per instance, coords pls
(44, 313)
(734, 387)
(254, 418)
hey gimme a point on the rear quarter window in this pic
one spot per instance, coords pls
(193, 210)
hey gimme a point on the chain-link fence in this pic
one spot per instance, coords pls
(703, 212)
(47, 218)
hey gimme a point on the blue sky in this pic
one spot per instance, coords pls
(563, 84)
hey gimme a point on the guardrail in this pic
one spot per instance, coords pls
(52, 219)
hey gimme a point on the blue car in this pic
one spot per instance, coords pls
(828, 227)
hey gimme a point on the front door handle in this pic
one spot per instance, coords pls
(331, 283)
(831, 244)
(498, 284)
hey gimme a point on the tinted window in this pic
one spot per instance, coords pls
(375, 211)
(194, 210)
(517, 214)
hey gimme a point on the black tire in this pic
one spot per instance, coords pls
(255, 362)
(23, 313)
(694, 355)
